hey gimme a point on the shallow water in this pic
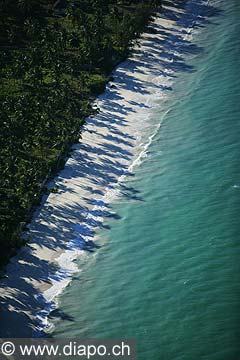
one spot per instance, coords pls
(167, 272)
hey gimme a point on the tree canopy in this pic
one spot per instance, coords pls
(55, 57)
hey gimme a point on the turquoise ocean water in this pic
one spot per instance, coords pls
(168, 270)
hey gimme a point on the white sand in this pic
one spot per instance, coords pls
(110, 144)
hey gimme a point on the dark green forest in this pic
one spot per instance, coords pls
(55, 56)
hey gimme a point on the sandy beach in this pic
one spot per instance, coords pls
(63, 228)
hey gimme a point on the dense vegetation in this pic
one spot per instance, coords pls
(55, 56)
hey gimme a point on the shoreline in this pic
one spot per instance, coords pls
(62, 230)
